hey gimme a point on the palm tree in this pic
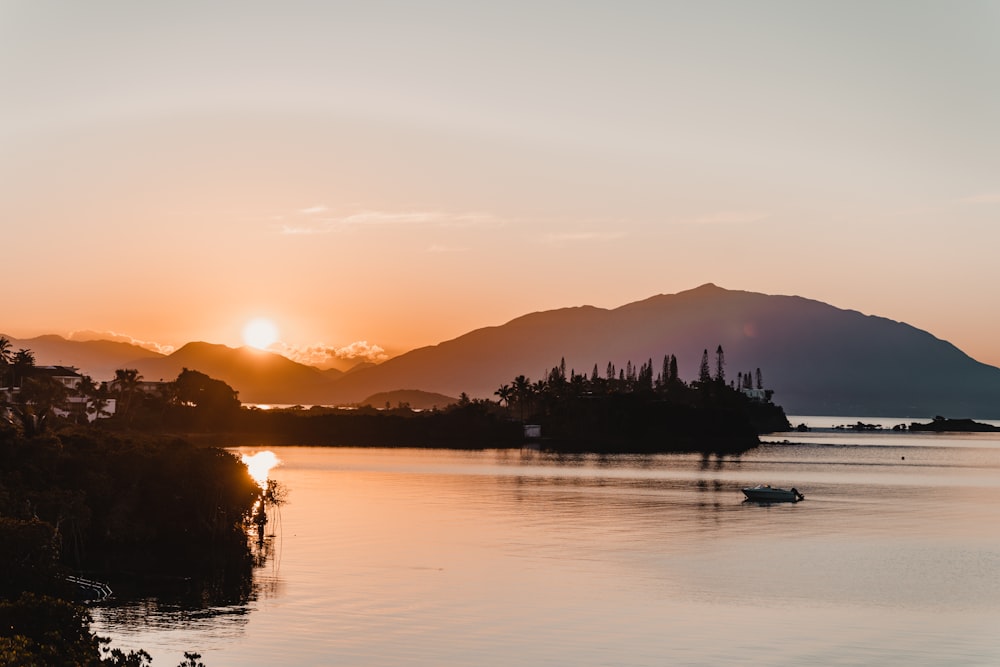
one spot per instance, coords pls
(128, 380)
(37, 402)
(522, 392)
(98, 403)
(504, 393)
(22, 362)
(6, 358)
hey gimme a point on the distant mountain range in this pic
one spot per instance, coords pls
(818, 359)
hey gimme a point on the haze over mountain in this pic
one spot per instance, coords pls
(97, 358)
(818, 359)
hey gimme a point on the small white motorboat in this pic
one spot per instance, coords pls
(768, 494)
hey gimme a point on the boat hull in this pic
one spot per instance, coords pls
(767, 494)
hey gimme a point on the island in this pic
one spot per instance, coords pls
(943, 425)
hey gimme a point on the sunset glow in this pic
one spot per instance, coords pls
(417, 192)
(260, 333)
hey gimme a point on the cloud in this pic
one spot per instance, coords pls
(581, 237)
(985, 198)
(323, 356)
(361, 350)
(85, 335)
(438, 248)
(728, 218)
(309, 220)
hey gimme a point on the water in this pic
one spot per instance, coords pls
(425, 557)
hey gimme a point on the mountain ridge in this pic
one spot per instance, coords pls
(819, 359)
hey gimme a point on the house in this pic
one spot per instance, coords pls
(76, 403)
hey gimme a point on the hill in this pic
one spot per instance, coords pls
(416, 399)
(96, 358)
(259, 377)
(819, 359)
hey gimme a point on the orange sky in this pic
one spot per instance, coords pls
(379, 177)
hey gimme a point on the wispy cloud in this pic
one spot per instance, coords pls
(85, 335)
(314, 220)
(728, 218)
(581, 237)
(984, 198)
(438, 248)
(323, 355)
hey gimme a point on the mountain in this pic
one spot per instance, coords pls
(414, 398)
(96, 358)
(258, 376)
(819, 359)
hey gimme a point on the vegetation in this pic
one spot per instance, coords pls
(942, 425)
(469, 424)
(631, 410)
(121, 506)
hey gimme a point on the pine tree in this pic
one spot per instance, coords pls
(704, 375)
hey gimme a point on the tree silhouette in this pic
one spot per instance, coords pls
(6, 359)
(704, 375)
(37, 402)
(720, 365)
(504, 394)
(522, 393)
(127, 381)
(23, 362)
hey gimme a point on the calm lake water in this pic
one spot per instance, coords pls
(429, 557)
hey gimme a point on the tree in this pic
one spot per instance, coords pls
(704, 375)
(127, 381)
(522, 392)
(195, 389)
(760, 380)
(503, 395)
(37, 402)
(720, 366)
(99, 400)
(23, 362)
(6, 359)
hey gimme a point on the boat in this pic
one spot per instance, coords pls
(765, 493)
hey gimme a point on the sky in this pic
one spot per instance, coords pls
(373, 177)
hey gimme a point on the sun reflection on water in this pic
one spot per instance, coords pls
(260, 465)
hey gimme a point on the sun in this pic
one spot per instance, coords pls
(260, 333)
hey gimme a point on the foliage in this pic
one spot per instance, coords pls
(636, 412)
(44, 631)
(146, 503)
(200, 391)
(29, 556)
(36, 402)
(191, 660)
(471, 424)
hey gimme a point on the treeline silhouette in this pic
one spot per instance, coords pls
(638, 408)
(634, 410)
(123, 509)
